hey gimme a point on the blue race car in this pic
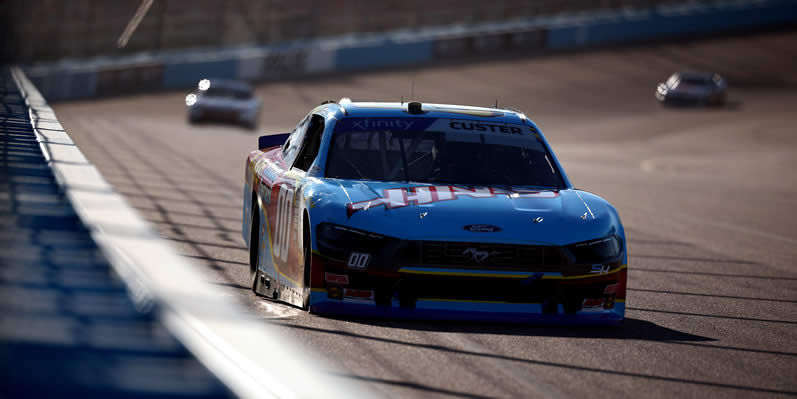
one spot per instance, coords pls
(428, 211)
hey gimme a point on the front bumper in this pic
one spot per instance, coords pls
(216, 114)
(670, 98)
(452, 294)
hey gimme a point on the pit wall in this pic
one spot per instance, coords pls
(101, 77)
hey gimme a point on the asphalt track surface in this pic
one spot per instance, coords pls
(707, 197)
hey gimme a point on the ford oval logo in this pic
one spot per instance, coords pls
(482, 228)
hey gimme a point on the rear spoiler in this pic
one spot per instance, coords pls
(272, 140)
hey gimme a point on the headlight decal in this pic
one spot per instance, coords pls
(596, 252)
(355, 248)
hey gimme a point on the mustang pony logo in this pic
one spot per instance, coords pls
(401, 197)
(478, 256)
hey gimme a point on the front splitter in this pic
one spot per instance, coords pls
(433, 309)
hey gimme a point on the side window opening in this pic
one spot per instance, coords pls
(312, 143)
(291, 147)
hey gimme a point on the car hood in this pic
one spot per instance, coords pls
(523, 215)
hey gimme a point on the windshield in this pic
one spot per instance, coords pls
(487, 158)
(696, 80)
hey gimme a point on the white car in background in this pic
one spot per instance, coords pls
(220, 100)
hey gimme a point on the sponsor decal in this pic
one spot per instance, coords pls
(478, 256)
(266, 169)
(379, 124)
(394, 124)
(336, 278)
(458, 126)
(610, 289)
(358, 294)
(401, 197)
(482, 228)
(485, 127)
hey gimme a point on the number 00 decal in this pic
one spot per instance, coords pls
(359, 260)
(282, 227)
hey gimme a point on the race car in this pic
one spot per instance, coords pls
(693, 88)
(220, 100)
(428, 211)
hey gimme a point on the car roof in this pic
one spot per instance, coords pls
(696, 75)
(229, 84)
(399, 110)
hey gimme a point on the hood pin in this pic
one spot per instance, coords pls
(422, 215)
(538, 219)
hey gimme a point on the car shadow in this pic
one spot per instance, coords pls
(730, 105)
(220, 124)
(630, 329)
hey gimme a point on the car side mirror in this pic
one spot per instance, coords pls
(272, 140)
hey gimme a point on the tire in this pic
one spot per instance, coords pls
(254, 246)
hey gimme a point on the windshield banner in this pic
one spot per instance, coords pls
(416, 124)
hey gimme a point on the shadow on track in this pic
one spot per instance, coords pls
(713, 274)
(633, 329)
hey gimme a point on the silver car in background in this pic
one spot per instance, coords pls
(693, 88)
(219, 100)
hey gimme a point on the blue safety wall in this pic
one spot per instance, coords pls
(384, 54)
(78, 80)
(655, 24)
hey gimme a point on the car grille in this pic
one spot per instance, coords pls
(484, 256)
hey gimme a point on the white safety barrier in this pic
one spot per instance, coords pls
(249, 356)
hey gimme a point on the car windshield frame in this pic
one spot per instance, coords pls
(407, 149)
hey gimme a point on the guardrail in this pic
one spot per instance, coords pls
(180, 70)
(246, 354)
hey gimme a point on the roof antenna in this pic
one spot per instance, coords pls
(402, 100)
(496, 103)
(413, 89)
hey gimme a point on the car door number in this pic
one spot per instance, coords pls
(282, 227)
